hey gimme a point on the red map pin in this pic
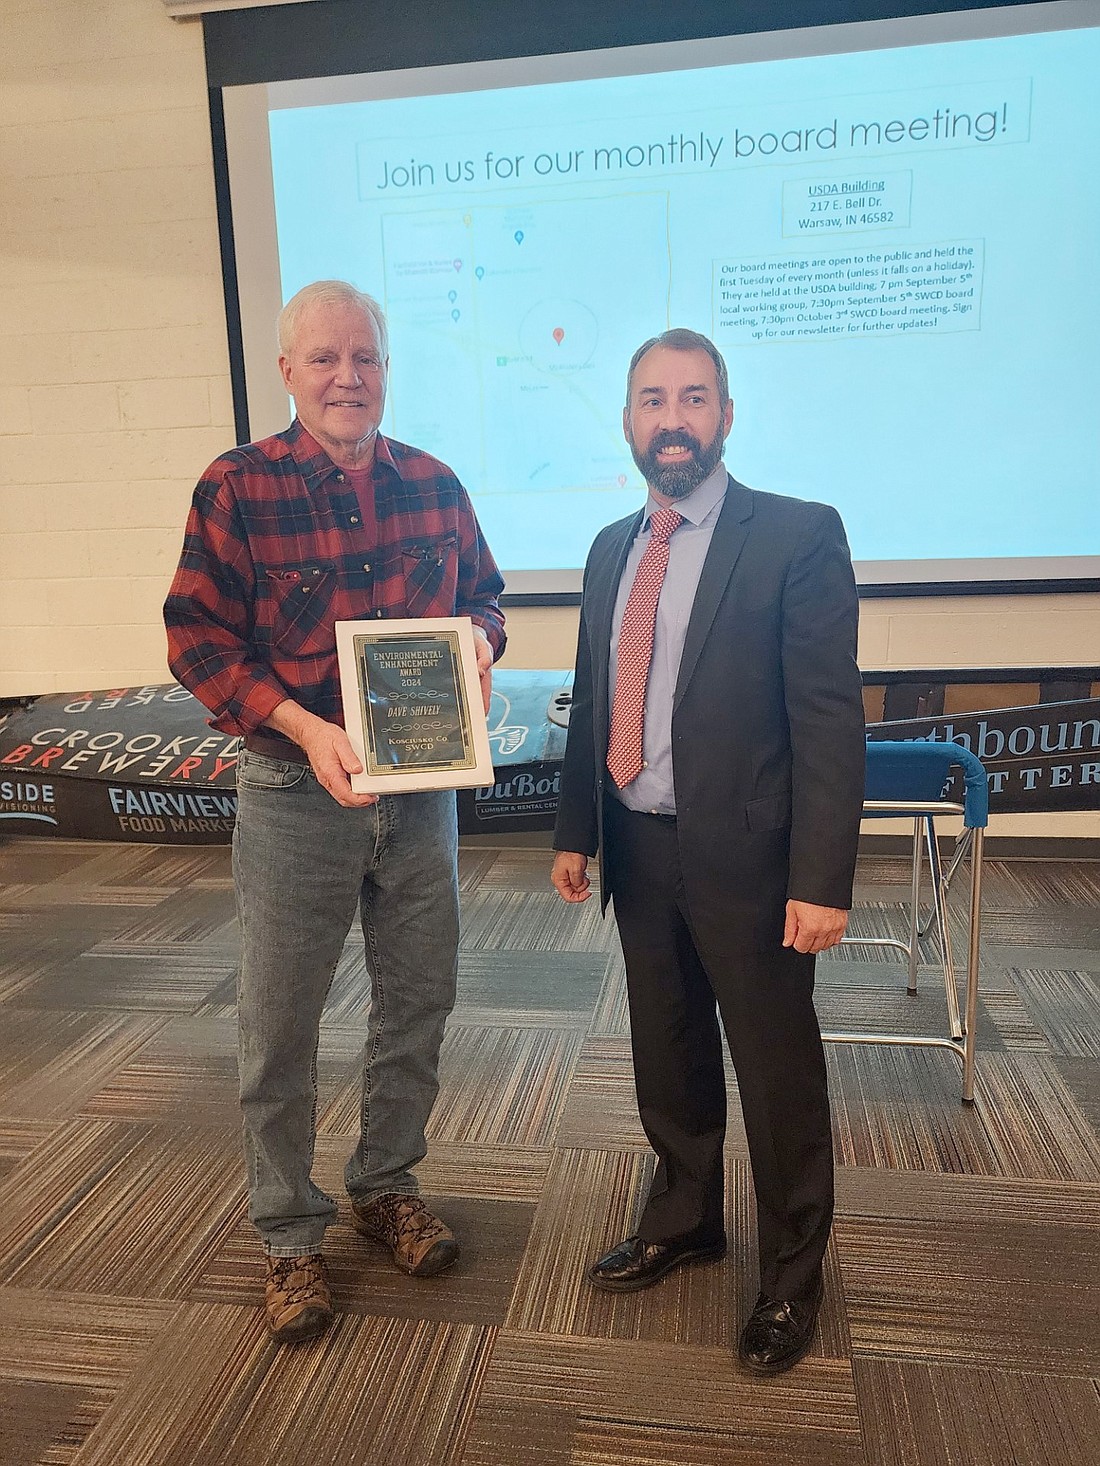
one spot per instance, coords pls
(559, 334)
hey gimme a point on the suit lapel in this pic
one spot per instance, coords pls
(600, 594)
(726, 545)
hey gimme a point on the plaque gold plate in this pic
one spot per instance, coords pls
(412, 704)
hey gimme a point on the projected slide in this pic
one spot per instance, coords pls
(895, 250)
(518, 329)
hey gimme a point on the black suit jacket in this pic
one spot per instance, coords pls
(767, 723)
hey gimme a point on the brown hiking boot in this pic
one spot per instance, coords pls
(421, 1243)
(296, 1298)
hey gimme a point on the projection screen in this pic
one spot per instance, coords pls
(889, 229)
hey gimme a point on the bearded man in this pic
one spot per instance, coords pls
(716, 760)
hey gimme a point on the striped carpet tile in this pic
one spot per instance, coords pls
(138, 1186)
(611, 1015)
(1037, 1129)
(1002, 1295)
(86, 1409)
(78, 894)
(87, 1341)
(1007, 885)
(1062, 926)
(32, 1416)
(1082, 1079)
(52, 1062)
(129, 980)
(69, 930)
(158, 865)
(879, 920)
(901, 1109)
(942, 1415)
(639, 1442)
(1013, 1019)
(407, 1392)
(590, 1203)
(29, 952)
(188, 1073)
(601, 1110)
(187, 915)
(464, 1016)
(386, 1390)
(542, 1396)
(502, 1086)
(925, 1196)
(531, 981)
(198, 1089)
(591, 1200)
(18, 1138)
(505, 1172)
(1067, 1005)
(185, 1399)
(38, 861)
(519, 870)
(535, 922)
(844, 1007)
(536, 985)
(1022, 884)
(474, 862)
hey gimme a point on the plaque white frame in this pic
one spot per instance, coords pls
(411, 779)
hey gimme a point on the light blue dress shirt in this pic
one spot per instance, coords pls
(652, 791)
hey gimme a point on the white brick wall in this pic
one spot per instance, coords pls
(114, 389)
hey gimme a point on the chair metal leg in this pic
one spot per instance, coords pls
(962, 845)
(914, 912)
(939, 897)
(972, 964)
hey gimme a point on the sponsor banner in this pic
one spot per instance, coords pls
(527, 748)
(29, 803)
(153, 734)
(85, 809)
(520, 800)
(142, 763)
(1043, 759)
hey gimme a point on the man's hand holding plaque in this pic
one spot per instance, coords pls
(415, 694)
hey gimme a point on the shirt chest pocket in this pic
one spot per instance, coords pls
(430, 572)
(301, 601)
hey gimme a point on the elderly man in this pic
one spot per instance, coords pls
(715, 758)
(330, 521)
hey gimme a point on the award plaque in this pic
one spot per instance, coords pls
(412, 704)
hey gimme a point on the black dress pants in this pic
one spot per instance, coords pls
(678, 969)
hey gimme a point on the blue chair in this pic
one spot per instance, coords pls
(912, 780)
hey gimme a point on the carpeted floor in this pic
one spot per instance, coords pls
(962, 1318)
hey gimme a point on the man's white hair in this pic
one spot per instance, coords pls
(330, 292)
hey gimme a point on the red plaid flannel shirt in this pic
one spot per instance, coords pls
(276, 551)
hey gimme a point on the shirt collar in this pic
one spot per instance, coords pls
(315, 465)
(702, 500)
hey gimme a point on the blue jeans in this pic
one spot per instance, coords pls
(301, 865)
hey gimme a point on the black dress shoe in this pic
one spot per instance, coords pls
(637, 1264)
(779, 1334)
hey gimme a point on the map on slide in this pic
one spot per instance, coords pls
(521, 326)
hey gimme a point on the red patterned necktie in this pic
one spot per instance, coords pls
(624, 748)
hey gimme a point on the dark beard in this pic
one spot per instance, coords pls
(677, 480)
